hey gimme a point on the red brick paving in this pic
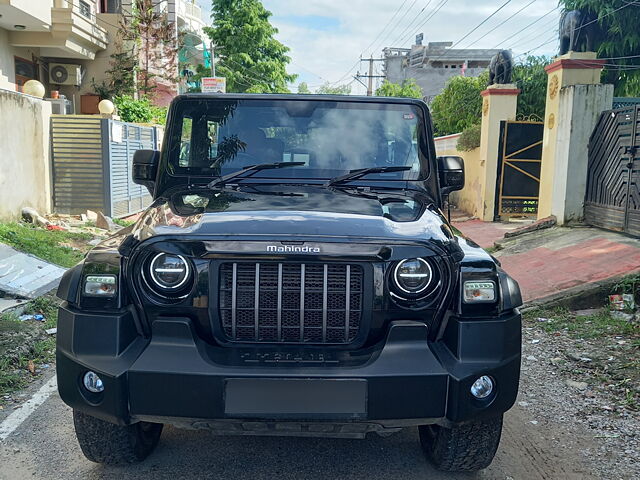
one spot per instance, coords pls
(542, 271)
(484, 234)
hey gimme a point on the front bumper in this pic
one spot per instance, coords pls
(175, 377)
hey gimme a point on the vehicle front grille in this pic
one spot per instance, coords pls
(291, 302)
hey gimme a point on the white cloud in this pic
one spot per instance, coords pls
(331, 50)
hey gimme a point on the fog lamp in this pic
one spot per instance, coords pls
(482, 387)
(93, 382)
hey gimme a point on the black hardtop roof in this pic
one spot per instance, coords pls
(299, 97)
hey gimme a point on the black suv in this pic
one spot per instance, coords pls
(294, 275)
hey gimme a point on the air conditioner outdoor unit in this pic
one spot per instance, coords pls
(65, 74)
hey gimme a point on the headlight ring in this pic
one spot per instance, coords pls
(413, 276)
(168, 275)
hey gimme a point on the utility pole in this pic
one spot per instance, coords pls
(213, 59)
(371, 76)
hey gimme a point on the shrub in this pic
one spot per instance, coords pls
(140, 111)
(469, 138)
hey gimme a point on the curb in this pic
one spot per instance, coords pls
(580, 297)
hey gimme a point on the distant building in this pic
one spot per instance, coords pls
(433, 64)
(67, 44)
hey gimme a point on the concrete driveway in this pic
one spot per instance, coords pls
(44, 447)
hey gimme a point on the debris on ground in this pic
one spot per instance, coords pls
(578, 385)
(106, 223)
(587, 376)
(35, 317)
(31, 215)
(621, 302)
(26, 347)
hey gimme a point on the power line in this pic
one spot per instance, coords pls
(363, 51)
(483, 22)
(519, 32)
(411, 23)
(436, 9)
(581, 26)
(389, 23)
(502, 23)
(547, 27)
(433, 14)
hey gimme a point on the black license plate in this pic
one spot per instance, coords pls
(277, 397)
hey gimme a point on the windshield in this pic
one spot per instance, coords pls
(214, 137)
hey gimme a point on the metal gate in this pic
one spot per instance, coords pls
(92, 163)
(612, 198)
(518, 176)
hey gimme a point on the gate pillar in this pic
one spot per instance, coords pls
(575, 100)
(499, 103)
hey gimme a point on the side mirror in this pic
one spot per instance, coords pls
(451, 174)
(145, 168)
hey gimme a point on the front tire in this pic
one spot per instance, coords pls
(105, 442)
(467, 447)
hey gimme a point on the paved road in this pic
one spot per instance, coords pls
(44, 446)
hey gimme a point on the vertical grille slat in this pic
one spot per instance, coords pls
(279, 320)
(271, 302)
(324, 303)
(234, 296)
(347, 302)
(302, 293)
(256, 302)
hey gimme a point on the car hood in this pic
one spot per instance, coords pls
(290, 213)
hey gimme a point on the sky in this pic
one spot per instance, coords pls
(328, 37)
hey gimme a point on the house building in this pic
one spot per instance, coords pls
(433, 64)
(35, 36)
(67, 44)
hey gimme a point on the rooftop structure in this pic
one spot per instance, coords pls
(431, 65)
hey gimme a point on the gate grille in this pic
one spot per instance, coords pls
(291, 302)
(612, 197)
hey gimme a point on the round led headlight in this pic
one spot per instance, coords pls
(413, 275)
(169, 272)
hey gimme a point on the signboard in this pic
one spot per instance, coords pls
(214, 85)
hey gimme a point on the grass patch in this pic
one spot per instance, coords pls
(585, 327)
(26, 343)
(611, 346)
(123, 223)
(54, 246)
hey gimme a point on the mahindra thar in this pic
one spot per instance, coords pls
(294, 275)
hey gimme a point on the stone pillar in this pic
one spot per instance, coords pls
(499, 103)
(575, 100)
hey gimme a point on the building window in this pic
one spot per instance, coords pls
(25, 70)
(110, 6)
(85, 9)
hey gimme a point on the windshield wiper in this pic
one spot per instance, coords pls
(218, 182)
(361, 172)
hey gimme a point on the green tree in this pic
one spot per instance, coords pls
(303, 88)
(328, 89)
(620, 38)
(408, 88)
(120, 78)
(459, 105)
(251, 58)
(531, 79)
(153, 40)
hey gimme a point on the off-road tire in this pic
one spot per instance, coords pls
(466, 447)
(104, 442)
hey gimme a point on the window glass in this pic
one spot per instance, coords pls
(218, 137)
